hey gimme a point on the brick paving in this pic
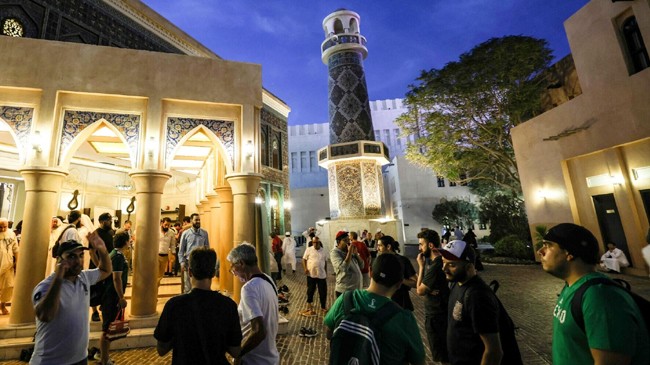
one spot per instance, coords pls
(527, 292)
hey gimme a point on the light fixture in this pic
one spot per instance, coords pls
(37, 141)
(642, 173)
(249, 149)
(542, 194)
(274, 202)
(151, 146)
(259, 200)
(617, 179)
(287, 204)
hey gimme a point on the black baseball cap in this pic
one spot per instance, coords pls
(577, 240)
(69, 246)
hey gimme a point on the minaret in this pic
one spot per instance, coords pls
(353, 159)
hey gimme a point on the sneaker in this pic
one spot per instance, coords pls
(283, 309)
(95, 317)
(308, 313)
(307, 332)
(283, 301)
(285, 288)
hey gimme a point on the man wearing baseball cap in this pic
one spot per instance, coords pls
(613, 330)
(61, 304)
(347, 264)
(473, 313)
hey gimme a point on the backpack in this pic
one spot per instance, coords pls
(576, 302)
(55, 249)
(357, 338)
(507, 331)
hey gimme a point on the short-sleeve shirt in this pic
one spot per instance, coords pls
(434, 279)
(316, 261)
(402, 296)
(119, 265)
(259, 299)
(210, 330)
(611, 324)
(400, 337)
(53, 339)
(473, 310)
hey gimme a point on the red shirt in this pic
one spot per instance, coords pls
(276, 245)
(364, 254)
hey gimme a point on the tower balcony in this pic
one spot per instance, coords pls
(341, 42)
(374, 150)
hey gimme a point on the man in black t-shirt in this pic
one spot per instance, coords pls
(433, 286)
(473, 328)
(388, 245)
(201, 326)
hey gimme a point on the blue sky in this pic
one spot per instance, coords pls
(404, 37)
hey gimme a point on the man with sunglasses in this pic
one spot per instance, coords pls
(61, 304)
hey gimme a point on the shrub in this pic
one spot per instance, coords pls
(513, 246)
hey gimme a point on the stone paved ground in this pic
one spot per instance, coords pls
(527, 293)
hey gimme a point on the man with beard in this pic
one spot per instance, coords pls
(61, 305)
(473, 312)
(258, 308)
(105, 232)
(166, 247)
(612, 331)
(8, 252)
(432, 285)
(347, 264)
(191, 238)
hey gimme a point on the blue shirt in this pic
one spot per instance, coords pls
(191, 239)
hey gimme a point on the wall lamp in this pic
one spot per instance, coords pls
(249, 149)
(288, 204)
(37, 141)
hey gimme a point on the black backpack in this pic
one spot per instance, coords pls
(507, 330)
(576, 302)
(356, 337)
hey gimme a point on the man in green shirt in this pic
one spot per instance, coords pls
(400, 337)
(614, 331)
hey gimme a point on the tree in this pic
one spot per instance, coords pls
(455, 213)
(506, 215)
(462, 114)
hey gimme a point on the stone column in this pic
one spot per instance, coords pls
(244, 188)
(225, 243)
(213, 203)
(149, 185)
(42, 186)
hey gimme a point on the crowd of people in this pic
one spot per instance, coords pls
(370, 321)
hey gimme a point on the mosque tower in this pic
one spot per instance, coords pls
(353, 158)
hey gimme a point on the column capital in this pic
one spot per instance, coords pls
(244, 183)
(149, 181)
(224, 194)
(42, 178)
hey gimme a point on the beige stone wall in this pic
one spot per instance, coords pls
(603, 131)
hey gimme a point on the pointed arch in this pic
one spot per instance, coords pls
(176, 138)
(72, 145)
(76, 123)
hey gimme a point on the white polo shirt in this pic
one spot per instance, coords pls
(64, 340)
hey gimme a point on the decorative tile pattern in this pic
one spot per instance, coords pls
(76, 121)
(333, 189)
(371, 187)
(177, 128)
(349, 109)
(350, 189)
(20, 121)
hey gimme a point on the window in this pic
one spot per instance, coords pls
(276, 151)
(451, 183)
(463, 177)
(635, 46)
(482, 226)
(304, 165)
(377, 135)
(294, 162)
(313, 165)
(387, 136)
(441, 182)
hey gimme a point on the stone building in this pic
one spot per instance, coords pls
(587, 159)
(109, 99)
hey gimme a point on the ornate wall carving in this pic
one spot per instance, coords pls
(20, 121)
(177, 128)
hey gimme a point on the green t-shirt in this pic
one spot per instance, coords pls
(400, 336)
(610, 324)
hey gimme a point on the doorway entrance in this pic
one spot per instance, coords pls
(609, 221)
